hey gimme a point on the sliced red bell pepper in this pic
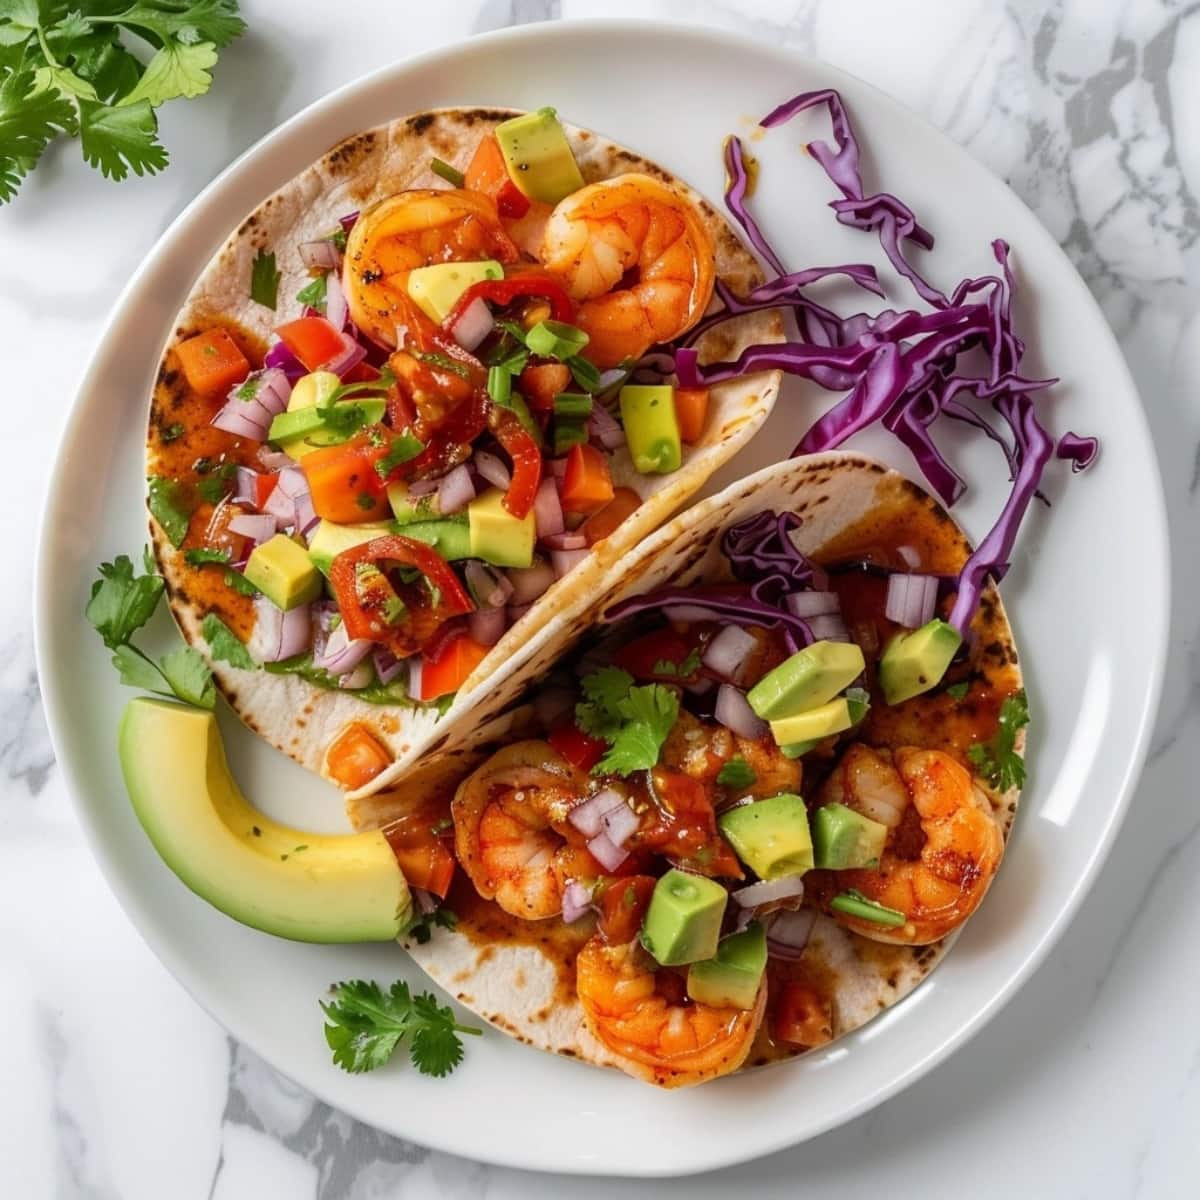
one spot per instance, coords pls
(526, 462)
(504, 291)
(581, 750)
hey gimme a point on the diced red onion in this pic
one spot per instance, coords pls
(486, 625)
(243, 419)
(414, 676)
(558, 467)
(277, 634)
(529, 583)
(258, 527)
(552, 703)
(455, 491)
(358, 678)
(489, 588)
(273, 460)
(588, 817)
(337, 311)
(605, 428)
(728, 653)
(278, 355)
(352, 353)
(767, 891)
(425, 901)
(620, 824)
(320, 256)
(281, 506)
(788, 933)
(577, 901)
(422, 487)
(493, 469)
(812, 604)
(911, 599)
(547, 510)
(338, 653)
(565, 541)
(245, 486)
(474, 323)
(516, 612)
(387, 665)
(609, 855)
(829, 628)
(292, 482)
(565, 561)
(734, 712)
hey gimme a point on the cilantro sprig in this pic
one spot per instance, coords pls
(421, 930)
(997, 761)
(97, 71)
(121, 603)
(365, 1024)
(635, 721)
(264, 279)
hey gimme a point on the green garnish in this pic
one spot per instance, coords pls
(572, 405)
(167, 504)
(70, 70)
(499, 385)
(121, 603)
(313, 293)
(172, 432)
(240, 584)
(737, 773)
(854, 904)
(443, 362)
(421, 930)
(200, 556)
(568, 433)
(225, 644)
(635, 721)
(343, 421)
(338, 238)
(997, 761)
(365, 1024)
(264, 280)
(364, 387)
(452, 175)
(403, 449)
(682, 670)
(556, 339)
(219, 483)
(584, 374)
(858, 702)
(958, 691)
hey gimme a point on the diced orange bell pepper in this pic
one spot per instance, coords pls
(447, 672)
(541, 382)
(356, 757)
(212, 361)
(344, 484)
(625, 503)
(691, 412)
(587, 484)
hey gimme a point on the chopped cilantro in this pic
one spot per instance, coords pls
(421, 930)
(172, 432)
(264, 280)
(635, 721)
(958, 690)
(997, 761)
(225, 644)
(218, 484)
(338, 238)
(737, 773)
(404, 448)
(168, 507)
(365, 501)
(313, 292)
(597, 714)
(683, 670)
(240, 584)
(202, 555)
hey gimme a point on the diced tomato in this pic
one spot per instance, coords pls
(581, 750)
(488, 173)
(541, 382)
(343, 481)
(587, 484)
(685, 828)
(801, 1016)
(691, 411)
(313, 340)
(623, 904)
(361, 372)
(641, 656)
(356, 757)
(264, 485)
(526, 462)
(526, 283)
(212, 361)
(423, 857)
(445, 673)
(602, 524)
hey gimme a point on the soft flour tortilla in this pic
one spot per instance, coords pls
(292, 714)
(525, 989)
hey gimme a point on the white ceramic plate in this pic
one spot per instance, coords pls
(1093, 651)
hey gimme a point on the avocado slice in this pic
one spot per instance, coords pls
(843, 838)
(683, 922)
(407, 508)
(305, 886)
(313, 390)
(651, 427)
(770, 836)
(810, 678)
(283, 572)
(538, 156)
(915, 662)
(449, 536)
(437, 289)
(330, 539)
(311, 423)
(496, 535)
(732, 977)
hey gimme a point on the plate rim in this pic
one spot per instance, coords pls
(1157, 531)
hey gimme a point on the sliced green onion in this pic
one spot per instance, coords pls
(517, 403)
(854, 904)
(452, 175)
(572, 404)
(568, 433)
(555, 339)
(584, 374)
(499, 385)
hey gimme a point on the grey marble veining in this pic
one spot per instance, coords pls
(1091, 111)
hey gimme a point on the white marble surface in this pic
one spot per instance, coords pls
(114, 1085)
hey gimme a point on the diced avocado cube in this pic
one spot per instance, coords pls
(732, 977)
(843, 838)
(330, 539)
(538, 156)
(683, 921)
(282, 571)
(915, 662)
(799, 749)
(439, 288)
(496, 535)
(770, 836)
(408, 508)
(651, 427)
(449, 536)
(813, 724)
(313, 390)
(811, 677)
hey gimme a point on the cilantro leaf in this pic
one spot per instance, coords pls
(402, 450)
(313, 293)
(225, 644)
(264, 280)
(737, 773)
(648, 714)
(178, 69)
(120, 139)
(997, 761)
(201, 555)
(28, 124)
(215, 21)
(958, 690)
(421, 930)
(121, 603)
(167, 507)
(598, 714)
(364, 1025)
(188, 674)
(137, 671)
(218, 484)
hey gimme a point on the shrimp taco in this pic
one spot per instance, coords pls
(751, 810)
(418, 406)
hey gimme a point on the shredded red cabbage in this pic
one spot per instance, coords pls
(1081, 451)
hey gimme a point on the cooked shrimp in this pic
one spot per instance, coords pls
(415, 229)
(941, 853)
(700, 749)
(510, 830)
(637, 257)
(658, 1034)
